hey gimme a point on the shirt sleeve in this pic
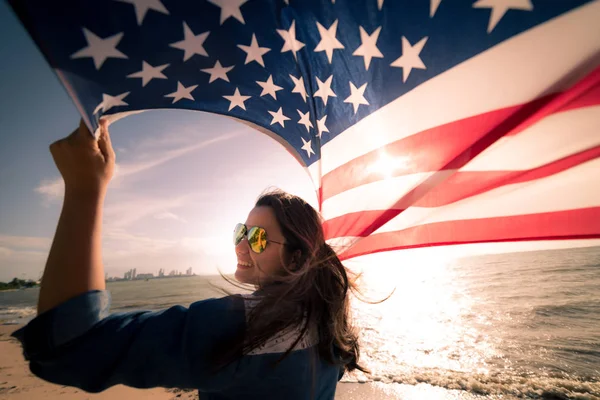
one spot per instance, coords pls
(78, 344)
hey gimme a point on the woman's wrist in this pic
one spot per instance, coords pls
(86, 194)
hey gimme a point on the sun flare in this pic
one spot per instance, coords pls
(387, 165)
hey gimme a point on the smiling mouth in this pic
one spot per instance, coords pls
(244, 265)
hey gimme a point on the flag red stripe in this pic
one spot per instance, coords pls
(464, 184)
(452, 145)
(571, 224)
(461, 185)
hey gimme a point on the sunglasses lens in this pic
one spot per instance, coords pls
(257, 239)
(238, 233)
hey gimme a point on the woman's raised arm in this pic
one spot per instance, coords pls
(74, 265)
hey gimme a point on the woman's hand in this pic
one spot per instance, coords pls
(86, 164)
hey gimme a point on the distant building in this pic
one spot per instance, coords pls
(189, 271)
(145, 276)
(161, 273)
(130, 275)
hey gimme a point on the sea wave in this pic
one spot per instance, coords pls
(498, 385)
(570, 310)
(17, 314)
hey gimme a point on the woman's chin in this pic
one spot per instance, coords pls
(244, 275)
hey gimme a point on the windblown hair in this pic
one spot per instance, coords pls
(312, 289)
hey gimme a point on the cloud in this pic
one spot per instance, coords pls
(169, 215)
(51, 189)
(159, 156)
(25, 243)
(124, 213)
(150, 153)
(119, 241)
(21, 263)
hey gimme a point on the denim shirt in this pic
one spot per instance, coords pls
(79, 344)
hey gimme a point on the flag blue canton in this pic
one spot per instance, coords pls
(306, 71)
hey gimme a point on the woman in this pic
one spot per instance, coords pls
(291, 339)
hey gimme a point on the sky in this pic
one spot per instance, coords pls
(183, 180)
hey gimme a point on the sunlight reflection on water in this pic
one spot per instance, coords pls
(518, 325)
(427, 323)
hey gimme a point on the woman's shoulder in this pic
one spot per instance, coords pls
(231, 303)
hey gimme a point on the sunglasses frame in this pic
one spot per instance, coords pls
(246, 235)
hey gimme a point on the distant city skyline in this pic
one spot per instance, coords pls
(133, 274)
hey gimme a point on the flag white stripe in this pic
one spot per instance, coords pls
(567, 190)
(554, 137)
(379, 195)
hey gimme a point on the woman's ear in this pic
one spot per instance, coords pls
(295, 260)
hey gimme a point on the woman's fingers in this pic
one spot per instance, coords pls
(83, 132)
(104, 142)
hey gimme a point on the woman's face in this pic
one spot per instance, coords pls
(253, 268)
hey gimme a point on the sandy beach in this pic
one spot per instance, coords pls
(16, 382)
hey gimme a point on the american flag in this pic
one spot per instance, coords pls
(420, 122)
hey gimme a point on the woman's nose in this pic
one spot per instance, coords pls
(242, 247)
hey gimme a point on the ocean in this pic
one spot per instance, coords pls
(519, 325)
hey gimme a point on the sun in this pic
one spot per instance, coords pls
(388, 166)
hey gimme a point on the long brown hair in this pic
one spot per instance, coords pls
(314, 289)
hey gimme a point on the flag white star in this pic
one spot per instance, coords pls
(324, 91)
(182, 92)
(230, 8)
(368, 49)
(142, 7)
(278, 117)
(500, 7)
(237, 100)
(218, 72)
(291, 43)
(305, 120)
(410, 57)
(149, 72)
(269, 87)
(109, 102)
(254, 52)
(433, 6)
(299, 86)
(321, 126)
(100, 49)
(307, 147)
(357, 96)
(328, 41)
(191, 43)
